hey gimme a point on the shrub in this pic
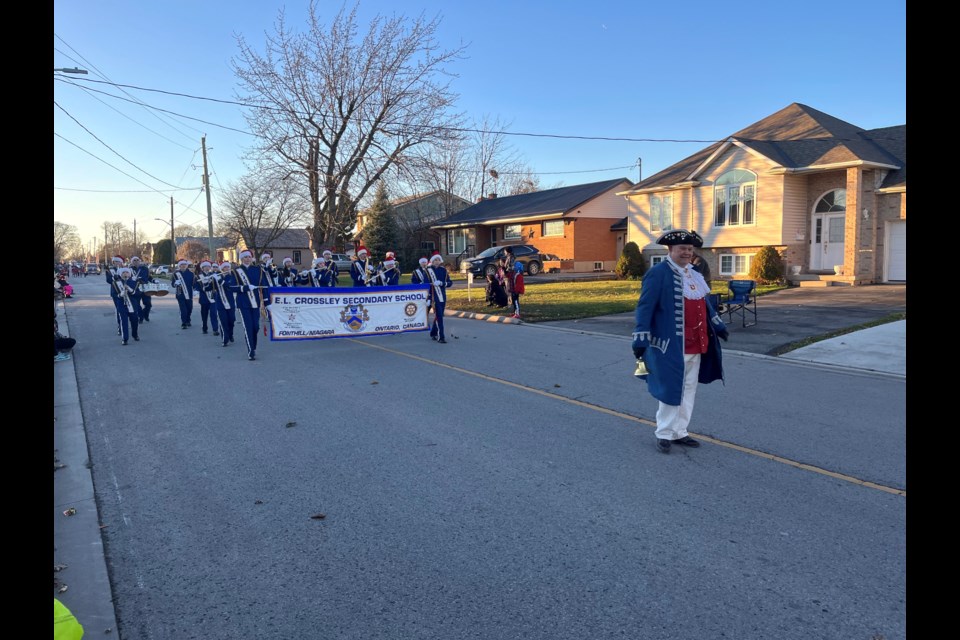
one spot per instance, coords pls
(767, 266)
(631, 264)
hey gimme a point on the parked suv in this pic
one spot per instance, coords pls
(486, 261)
(343, 262)
(93, 269)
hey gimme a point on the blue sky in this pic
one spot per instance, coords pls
(608, 68)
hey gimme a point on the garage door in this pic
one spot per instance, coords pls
(897, 252)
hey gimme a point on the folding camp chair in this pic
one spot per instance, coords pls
(741, 300)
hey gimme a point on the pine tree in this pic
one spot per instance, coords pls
(381, 232)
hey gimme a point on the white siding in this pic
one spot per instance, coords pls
(608, 205)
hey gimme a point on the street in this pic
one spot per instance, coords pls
(503, 485)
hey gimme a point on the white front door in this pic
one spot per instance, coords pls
(827, 249)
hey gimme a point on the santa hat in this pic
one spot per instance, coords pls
(327, 252)
(436, 257)
(288, 259)
(319, 260)
(137, 258)
(265, 255)
(391, 255)
(182, 262)
(118, 258)
(361, 249)
(127, 269)
(225, 265)
(205, 263)
(246, 253)
(389, 263)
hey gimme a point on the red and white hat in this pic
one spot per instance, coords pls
(118, 258)
(423, 261)
(127, 269)
(184, 262)
(137, 258)
(205, 263)
(225, 265)
(265, 255)
(361, 249)
(319, 260)
(389, 263)
(327, 252)
(288, 259)
(436, 257)
(391, 255)
(246, 253)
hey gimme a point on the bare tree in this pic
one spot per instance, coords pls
(193, 250)
(335, 109)
(259, 209)
(65, 236)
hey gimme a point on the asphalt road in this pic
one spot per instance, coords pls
(504, 485)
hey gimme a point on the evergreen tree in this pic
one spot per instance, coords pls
(631, 264)
(381, 232)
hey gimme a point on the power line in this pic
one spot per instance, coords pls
(112, 149)
(164, 191)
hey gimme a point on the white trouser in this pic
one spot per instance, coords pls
(672, 420)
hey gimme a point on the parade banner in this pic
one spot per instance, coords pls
(306, 313)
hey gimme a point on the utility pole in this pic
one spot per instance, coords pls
(136, 251)
(106, 262)
(639, 169)
(206, 187)
(173, 244)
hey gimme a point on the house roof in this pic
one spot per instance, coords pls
(560, 200)
(619, 225)
(289, 238)
(218, 242)
(797, 137)
(421, 196)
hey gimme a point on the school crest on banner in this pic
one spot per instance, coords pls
(354, 317)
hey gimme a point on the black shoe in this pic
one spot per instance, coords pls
(226, 344)
(183, 326)
(189, 325)
(433, 337)
(137, 338)
(123, 342)
(204, 332)
(442, 341)
(687, 441)
(146, 319)
(251, 357)
(216, 333)
(663, 445)
(231, 338)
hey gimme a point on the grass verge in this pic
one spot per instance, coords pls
(892, 317)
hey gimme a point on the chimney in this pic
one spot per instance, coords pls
(491, 196)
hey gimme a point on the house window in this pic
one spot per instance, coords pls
(833, 202)
(428, 245)
(735, 264)
(655, 260)
(296, 257)
(457, 240)
(735, 198)
(661, 213)
(511, 232)
(552, 228)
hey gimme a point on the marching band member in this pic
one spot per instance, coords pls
(183, 288)
(439, 281)
(126, 286)
(208, 300)
(361, 270)
(250, 288)
(269, 269)
(332, 265)
(320, 275)
(224, 284)
(112, 273)
(419, 276)
(390, 270)
(142, 275)
(288, 275)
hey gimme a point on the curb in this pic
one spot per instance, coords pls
(486, 317)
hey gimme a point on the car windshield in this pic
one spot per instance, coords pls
(486, 253)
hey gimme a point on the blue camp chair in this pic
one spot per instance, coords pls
(741, 300)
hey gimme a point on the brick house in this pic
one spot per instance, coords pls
(830, 196)
(292, 243)
(574, 223)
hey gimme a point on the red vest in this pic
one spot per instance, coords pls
(695, 326)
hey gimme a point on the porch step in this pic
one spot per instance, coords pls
(816, 283)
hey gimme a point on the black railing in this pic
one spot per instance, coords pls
(469, 251)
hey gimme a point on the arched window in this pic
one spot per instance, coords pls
(834, 201)
(735, 198)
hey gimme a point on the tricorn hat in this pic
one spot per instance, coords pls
(680, 236)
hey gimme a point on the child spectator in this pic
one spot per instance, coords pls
(517, 288)
(496, 296)
(61, 343)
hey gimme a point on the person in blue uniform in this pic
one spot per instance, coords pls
(126, 287)
(362, 270)
(389, 270)
(142, 275)
(203, 283)
(183, 289)
(112, 273)
(224, 284)
(252, 285)
(332, 265)
(320, 276)
(288, 274)
(439, 280)
(676, 336)
(419, 276)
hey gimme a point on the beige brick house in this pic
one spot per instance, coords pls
(830, 196)
(578, 224)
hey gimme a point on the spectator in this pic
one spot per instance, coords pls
(496, 296)
(700, 264)
(61, 343)
(517, 288)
